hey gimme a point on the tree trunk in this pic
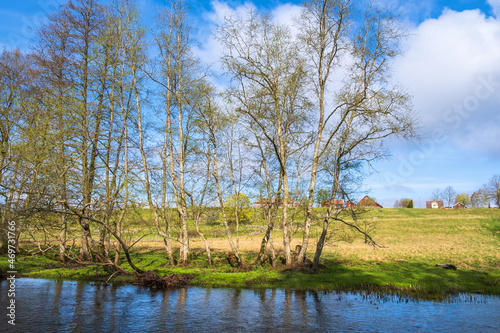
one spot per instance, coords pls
(205, 241)
(62, 236)
(84, 240)
(320, 245)
(287, 234)
(221, 201)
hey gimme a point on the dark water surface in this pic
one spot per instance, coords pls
(68, 306)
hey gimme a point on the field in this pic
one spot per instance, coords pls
(412, 242)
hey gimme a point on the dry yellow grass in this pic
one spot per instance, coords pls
(446, 236)
(467, 237)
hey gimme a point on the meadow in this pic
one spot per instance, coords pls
(412, 242)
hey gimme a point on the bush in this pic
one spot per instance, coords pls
(404, 203)
(212, 217)
(240, 202)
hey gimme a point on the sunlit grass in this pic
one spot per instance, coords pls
(468, 238)
(412, 242)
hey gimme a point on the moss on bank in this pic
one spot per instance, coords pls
(408, 278)
(414, 241)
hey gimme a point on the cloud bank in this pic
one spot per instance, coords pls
(452, 68)
(495, 6)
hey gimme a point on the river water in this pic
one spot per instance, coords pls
(69, 306)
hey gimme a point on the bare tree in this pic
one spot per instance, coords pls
(52, 54)
(368, 107)
(403, 203)
(126, 39)
(79, 25)
(437, 194)
(270, 207)
(79, 56)
(15, 154)
(492, 189)
(179, 78)
(449, 195)
(263, 60)
(324, 32)
(479, 199)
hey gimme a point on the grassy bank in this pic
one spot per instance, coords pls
(413, 241)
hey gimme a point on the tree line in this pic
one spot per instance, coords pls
(482, 197)
(104, 115)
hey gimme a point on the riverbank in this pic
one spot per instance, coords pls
(413, 241)
(67, 306)
(408, 278)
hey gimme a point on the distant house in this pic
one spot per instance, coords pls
(263, 203)
(266, 203)
(459, 205)
(436, 204)
(336, 203)
(369, 202)
(350, 204)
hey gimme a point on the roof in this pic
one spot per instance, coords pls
(267, 203)
(440, 204)
(264, 201)
(459, 205)
(369, 202)
(335, 202)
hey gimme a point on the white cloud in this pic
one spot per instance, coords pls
(410, 10)
(495, 6)
(451, 67)
(211, 49)
(222, 10)
(287, 15)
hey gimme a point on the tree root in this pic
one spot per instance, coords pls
(152, 280)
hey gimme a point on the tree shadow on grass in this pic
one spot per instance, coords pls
(493, 225)
(418, 280)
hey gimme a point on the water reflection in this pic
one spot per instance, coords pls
(50, 306)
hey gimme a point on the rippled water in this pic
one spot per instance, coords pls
(68, 306)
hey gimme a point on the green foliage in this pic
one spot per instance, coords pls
(239, 203)
(212, 216)
(322, 195)
(492, 190)
(463, 198)
(404, 271)
(404, 203)
(479, 199)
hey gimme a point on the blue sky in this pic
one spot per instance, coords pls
(451, 66)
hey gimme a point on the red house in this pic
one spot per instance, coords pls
(263, 203)
(336, 203)
(350, 204)
(459, 205)
(369, 202)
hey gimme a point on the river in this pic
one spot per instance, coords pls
(70, 306)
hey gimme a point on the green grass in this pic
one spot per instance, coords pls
(415, 279)
(413, 242)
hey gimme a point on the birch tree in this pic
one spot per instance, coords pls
(84, 18)
(52, 54)
(492, 189)
(15, 76)
(345, 40)
(179, 75)
(214, 123)
(263, 60)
